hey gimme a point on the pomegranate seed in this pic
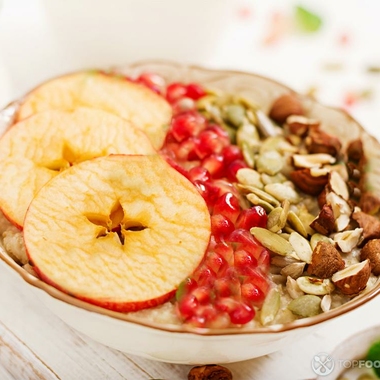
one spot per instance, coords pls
(258, 279)
(209, 192)
(199, 173)
(245, 241)
(242, 314)
(232, 153)
(195, 91)
(214, 164)
(250, 292)
(183, 105)
(226, 304)
(202, 294)
(252, 217)
(187, 124)
(221, 132)
(187, 306)
(243, 259)
(216, 262)
(206, 276)
(185, 287)
(228, 205)
(225, 251)
(221, 226)
(233, 168)
(210, 142)
(225, 287)
(186, 150)
(263, 261)
(175, 91)
(152, 81)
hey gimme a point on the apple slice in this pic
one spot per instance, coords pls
(131, 101)
(118, 231)
(36, 149)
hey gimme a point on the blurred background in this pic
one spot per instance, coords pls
(328, 49)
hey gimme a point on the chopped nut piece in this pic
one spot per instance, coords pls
(324, 223)
(294, 270)
(300, 125)
(371, 251)
(308, 183)
(348, 240)
(325, 261)
(284, 106)
(326, 303)
(369, 224)
(210, 372)
(312, 160)
(341, 209)
(338, 185)
(353, 279)
(320, 142)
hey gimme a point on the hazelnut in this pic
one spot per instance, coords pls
(324, 223)
(325, 261)
(369, 203)
(284, 106)
(210, 372)
(371, 251)
(300, 125)
(308, 183)
(370, 225)
(320, 142)
(353, 279)
(355, 150)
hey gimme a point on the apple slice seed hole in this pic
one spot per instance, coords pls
(114, 223)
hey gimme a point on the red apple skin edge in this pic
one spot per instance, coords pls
(10, 220)
(114, 306)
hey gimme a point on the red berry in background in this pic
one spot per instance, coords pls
(228, 205)
(233, 168)
(195, 91)
(252, 217)
(175, 91)
(232, 153)
(187, 124)
(221, 226)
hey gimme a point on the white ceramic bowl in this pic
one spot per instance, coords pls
(199, 346)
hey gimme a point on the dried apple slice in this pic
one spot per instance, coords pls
(119, 231)
(131, 101)
(38, 148)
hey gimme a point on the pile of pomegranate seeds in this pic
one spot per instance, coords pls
(232, 279)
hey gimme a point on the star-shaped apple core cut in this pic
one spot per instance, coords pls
(115, 223)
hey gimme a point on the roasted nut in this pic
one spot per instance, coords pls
(325, 261)
(355, 150)
(300, 125)
(348, 240)
(324, 223)
(353, 171)
(341, 209)
(353, 279)
(370, 225)
(371, 251)
(307, 183)
(314, 160)
(369, 203)
(338, 185)
(322, 197)
(210, 372)
(284, 106)
(320, 142)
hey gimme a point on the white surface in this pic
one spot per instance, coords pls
(30, 52)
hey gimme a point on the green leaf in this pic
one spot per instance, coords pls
(306, 20)
(373, 355)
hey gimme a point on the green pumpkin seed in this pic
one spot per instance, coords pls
(234, 114)
(270, 307)
(270, 162)
(301, 247)
(282, 192)
(305, 306)
(296, 224)
(255, 200)
(272, 241)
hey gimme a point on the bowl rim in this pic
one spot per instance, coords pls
(183, 329)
